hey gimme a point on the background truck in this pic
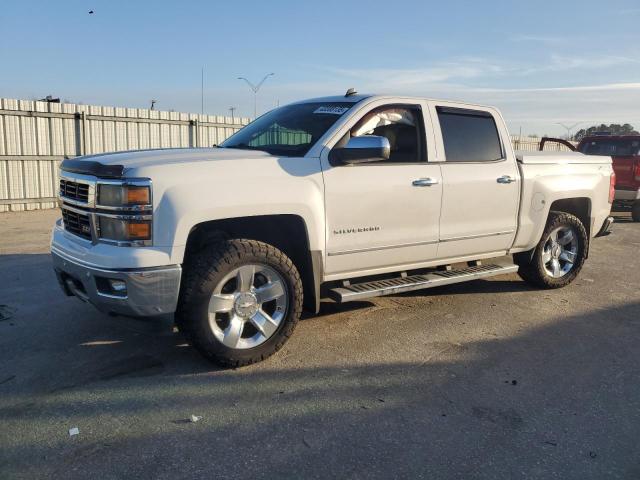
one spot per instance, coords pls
(347, 197)
(625, 152)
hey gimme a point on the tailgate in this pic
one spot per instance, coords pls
(627, 171)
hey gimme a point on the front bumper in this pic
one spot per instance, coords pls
(149, 291)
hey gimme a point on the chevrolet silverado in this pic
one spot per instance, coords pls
(345, 197)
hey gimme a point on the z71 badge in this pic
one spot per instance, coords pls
(342, 231)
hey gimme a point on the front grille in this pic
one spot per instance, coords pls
(76, 223)
(74, 190)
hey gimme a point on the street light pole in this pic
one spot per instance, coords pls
(255, 89)
(569, 128)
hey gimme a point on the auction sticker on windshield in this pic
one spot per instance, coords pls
(331, 110)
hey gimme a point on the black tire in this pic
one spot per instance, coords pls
(532, 268)
(635, 212)
(206, 269)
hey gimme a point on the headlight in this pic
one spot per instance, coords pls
(123, 195)
(124, 212)
(124, 229)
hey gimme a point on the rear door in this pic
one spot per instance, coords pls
(481, 182)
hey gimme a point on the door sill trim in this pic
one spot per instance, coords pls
(471, 237)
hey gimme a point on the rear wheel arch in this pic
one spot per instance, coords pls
(286, 232)
(579, 207)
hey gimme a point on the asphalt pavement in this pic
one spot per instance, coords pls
(490, 379)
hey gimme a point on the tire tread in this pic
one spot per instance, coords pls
(531, 268)
(202, 268)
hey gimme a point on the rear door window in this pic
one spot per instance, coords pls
(469, 135)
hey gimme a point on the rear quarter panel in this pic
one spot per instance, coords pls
(543, 184)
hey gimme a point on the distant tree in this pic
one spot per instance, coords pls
(613, 129)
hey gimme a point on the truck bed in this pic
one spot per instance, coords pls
(560, 158)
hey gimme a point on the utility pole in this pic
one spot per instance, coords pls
(255, 89)
(202, 91)
(232, 109)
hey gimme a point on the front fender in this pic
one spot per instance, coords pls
(272, 186)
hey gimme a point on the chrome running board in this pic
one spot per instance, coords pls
(378, 288)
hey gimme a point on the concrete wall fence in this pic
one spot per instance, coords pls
(36, 136)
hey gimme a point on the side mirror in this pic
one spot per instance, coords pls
(369, 148)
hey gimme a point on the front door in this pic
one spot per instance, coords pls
(383, 214)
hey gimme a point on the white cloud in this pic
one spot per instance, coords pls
(463, 68)
(546, 39)
(534, 96)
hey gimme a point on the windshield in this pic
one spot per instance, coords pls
(289, 131)
(611, 147)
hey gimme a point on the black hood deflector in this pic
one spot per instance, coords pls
(89, 167)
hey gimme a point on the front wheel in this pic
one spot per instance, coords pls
(560, 254)
(240, 301)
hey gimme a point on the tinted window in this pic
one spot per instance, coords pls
(469, 136)
(611, 147)
(400, 125)
(289, 131)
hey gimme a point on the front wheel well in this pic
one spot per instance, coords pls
(287, 233)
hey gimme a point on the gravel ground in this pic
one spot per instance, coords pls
(488, 379)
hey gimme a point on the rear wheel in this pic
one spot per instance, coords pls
(560, 254)
(240, 301)
(635, 212)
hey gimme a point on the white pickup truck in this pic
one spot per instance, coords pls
(344, 197)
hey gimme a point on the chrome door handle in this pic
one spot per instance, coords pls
(506, 179)
(425, 182)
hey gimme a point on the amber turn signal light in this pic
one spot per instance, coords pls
(138, 195)
(139, 230)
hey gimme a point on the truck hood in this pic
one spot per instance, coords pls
(120, 163)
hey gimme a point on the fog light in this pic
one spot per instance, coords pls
(118, 286)
(111, 287)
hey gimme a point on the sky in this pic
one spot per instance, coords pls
(540, 62)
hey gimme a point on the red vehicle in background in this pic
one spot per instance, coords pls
(625, 151)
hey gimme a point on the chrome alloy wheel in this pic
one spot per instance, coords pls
(560, 252)
(247, 306)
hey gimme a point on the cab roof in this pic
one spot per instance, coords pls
(355, 98)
